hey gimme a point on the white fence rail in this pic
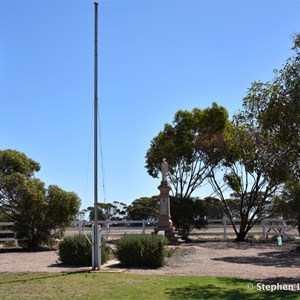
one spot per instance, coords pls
(266, 228)
(215, 227)
(113, 229)
(12, 235)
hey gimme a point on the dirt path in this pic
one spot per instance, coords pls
(267, 262)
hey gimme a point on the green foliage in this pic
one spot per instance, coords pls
(287, 204)
(246, 174)
(36, 211)
(233, 181)
(213, 208)
(91, 211)
(145, 208)
(251, 164)
(274, 106)
(4, 217)
(187, 214)
(12, 161)
(115, 211)
(263, 145)
(67, 202)
(77, 250)
(234, 205)
(186, 144)
(142, 251)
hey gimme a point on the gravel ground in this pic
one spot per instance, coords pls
(260, 262)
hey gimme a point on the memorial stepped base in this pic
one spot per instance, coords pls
(171, 235)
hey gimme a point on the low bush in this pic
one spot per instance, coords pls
(187, 214)
(142, 251)
(77, 250)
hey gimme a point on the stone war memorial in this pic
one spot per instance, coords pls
(165, 223)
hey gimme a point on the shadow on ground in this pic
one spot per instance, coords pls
(211, 291)
(36, 276)
(70, 267)
(26, 250)
(279, 259)
(281, 280)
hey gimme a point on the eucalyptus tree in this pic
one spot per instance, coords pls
(145, 208)
(187, 146)
(261, 149)
(247, 172)
(287, 204)
(213, 208)
(24, 199)
(275, 105)
(116, 211)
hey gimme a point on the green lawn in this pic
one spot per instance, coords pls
(128, 286)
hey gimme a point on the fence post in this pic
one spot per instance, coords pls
(225, 227)
(264, 229)
(15, 241)
(80, 226)
(107, 227)
(144, 227)
(284, 236)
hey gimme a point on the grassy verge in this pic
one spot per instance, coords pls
(128, 286)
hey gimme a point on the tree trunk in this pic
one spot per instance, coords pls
(241, 235)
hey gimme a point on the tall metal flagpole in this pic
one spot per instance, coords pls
(96, 263)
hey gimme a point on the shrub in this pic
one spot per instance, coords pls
(142, 251)
(187, 214)
(76, 250)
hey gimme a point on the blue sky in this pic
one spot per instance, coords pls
(155, 57)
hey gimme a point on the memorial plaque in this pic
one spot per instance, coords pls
(164, 206)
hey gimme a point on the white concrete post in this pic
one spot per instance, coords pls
(144, 226)
(225, 227)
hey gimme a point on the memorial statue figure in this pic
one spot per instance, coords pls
(164, 169)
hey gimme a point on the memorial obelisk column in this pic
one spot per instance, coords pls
(164, 220)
